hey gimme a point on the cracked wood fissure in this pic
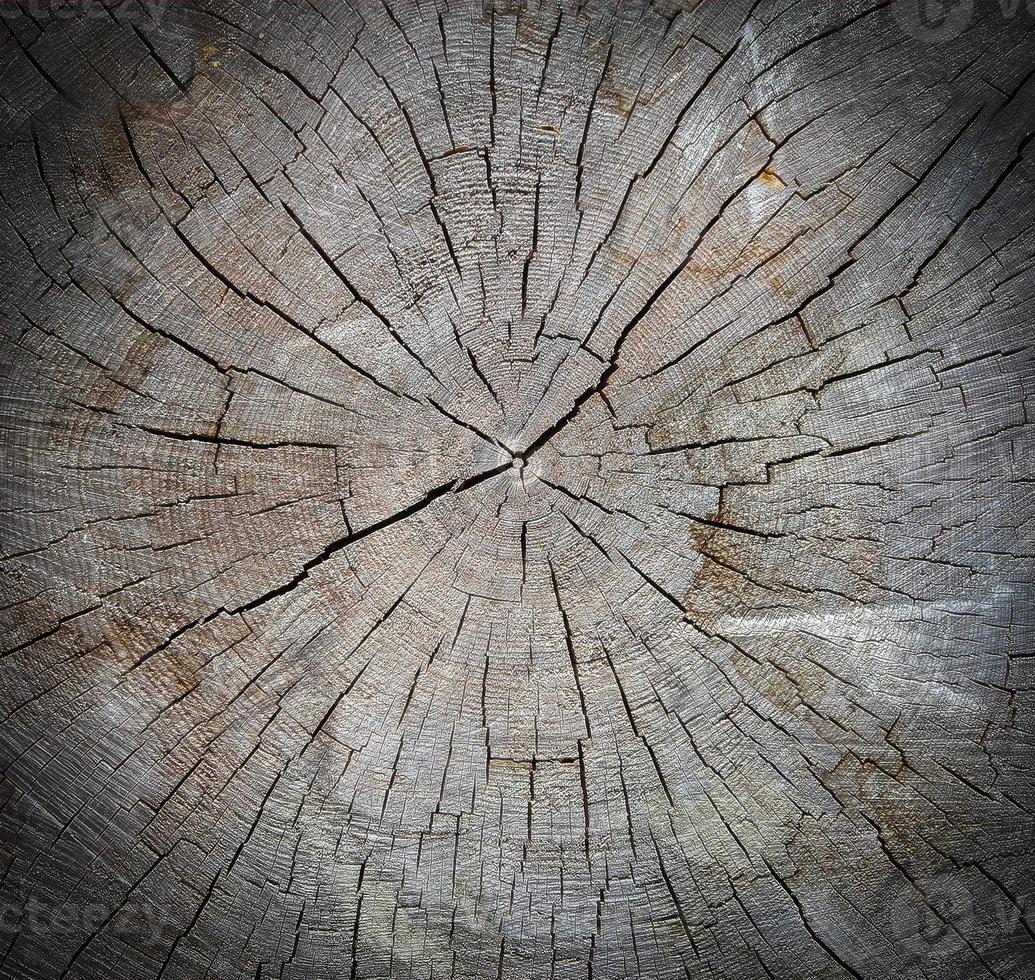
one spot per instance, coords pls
(500, 490)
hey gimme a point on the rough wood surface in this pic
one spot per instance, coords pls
(517, 491)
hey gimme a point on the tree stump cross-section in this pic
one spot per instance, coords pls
(501, 490)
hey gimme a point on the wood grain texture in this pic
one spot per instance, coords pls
(496, 490)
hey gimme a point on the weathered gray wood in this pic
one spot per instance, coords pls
(532, 491)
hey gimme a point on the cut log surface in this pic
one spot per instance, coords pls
(500, 491)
